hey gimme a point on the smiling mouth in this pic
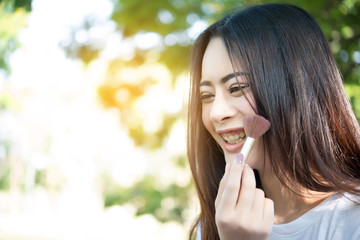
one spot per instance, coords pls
(233, 137)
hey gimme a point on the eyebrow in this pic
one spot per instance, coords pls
(224, 79)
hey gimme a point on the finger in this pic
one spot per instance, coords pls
(268, 212)
(268, 215)
(232, 186)
(222, 185)
(248, 186)
(258, 204)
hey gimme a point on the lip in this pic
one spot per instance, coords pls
(228, 130)
(231, 147)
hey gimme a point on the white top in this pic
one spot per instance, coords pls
(336, 218)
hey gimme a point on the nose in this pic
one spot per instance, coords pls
(221, 109)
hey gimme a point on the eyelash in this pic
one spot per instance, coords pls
(236, 87)
(233, 88)
(205, 96)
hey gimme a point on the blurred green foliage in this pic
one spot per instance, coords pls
(165, 204)
(12, 5)
(13, 15)
(5, 167)
(165, 201)
(40, 177)
(5, 177)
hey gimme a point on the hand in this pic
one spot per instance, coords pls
(242, 211)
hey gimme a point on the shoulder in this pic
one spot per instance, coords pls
(335, 218)
(340, 207)
(345, 204)
(341, 216)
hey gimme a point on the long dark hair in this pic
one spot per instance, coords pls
(314, 140)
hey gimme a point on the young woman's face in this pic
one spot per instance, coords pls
(224, 104)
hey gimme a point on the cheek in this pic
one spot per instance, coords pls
(206, 118)
(244, 106)
(256, 156)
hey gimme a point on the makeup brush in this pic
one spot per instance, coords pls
(255, 126)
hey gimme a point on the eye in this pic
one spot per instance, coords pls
(237, 87)
(206, 97)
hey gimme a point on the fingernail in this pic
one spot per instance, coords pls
(240, 158)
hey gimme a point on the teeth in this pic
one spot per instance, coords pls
(233, 139)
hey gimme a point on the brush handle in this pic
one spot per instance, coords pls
(245, 150)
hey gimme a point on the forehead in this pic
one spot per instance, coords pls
(216, 62)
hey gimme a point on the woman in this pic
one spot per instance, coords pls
(272, 60)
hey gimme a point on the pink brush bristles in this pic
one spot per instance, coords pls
(255, 126)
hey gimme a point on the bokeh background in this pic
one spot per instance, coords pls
(93, 112)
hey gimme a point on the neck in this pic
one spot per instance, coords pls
(288, 205)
